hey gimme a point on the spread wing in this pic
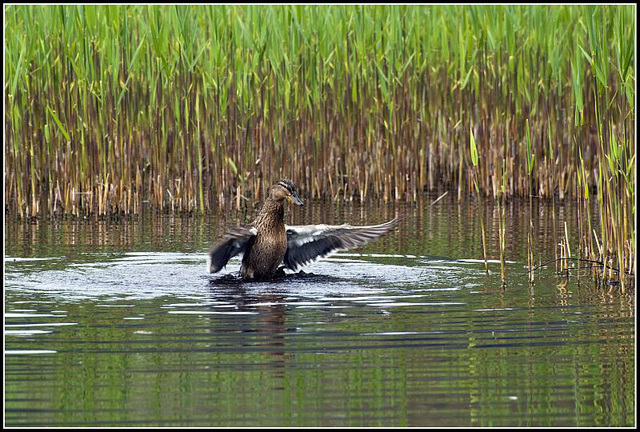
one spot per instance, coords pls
(308, 242)
(234, 242)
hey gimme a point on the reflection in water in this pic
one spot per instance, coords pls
(271, 313)
(120, 325)
(449, 229)
(272, 323)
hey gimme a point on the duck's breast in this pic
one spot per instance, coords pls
(265, 255)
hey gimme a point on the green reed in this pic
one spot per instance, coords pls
(114, 109)
(473, 150)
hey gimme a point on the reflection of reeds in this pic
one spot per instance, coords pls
(502, 227)
(187, 108)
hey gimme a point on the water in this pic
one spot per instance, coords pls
(118, 324)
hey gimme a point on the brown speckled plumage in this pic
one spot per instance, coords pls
(266, 251)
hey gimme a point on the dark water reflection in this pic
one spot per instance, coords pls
(118, 324)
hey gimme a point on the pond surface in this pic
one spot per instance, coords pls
(118, 324)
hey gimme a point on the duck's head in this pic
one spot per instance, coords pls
(285, 190)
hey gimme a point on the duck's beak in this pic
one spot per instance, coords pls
(294, 199)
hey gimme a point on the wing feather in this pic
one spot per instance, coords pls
(306, 243)
(234, 242)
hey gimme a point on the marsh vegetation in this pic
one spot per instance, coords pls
(190, 109)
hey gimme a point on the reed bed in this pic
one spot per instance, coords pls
(114, 109)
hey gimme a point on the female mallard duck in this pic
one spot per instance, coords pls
(267, 242)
